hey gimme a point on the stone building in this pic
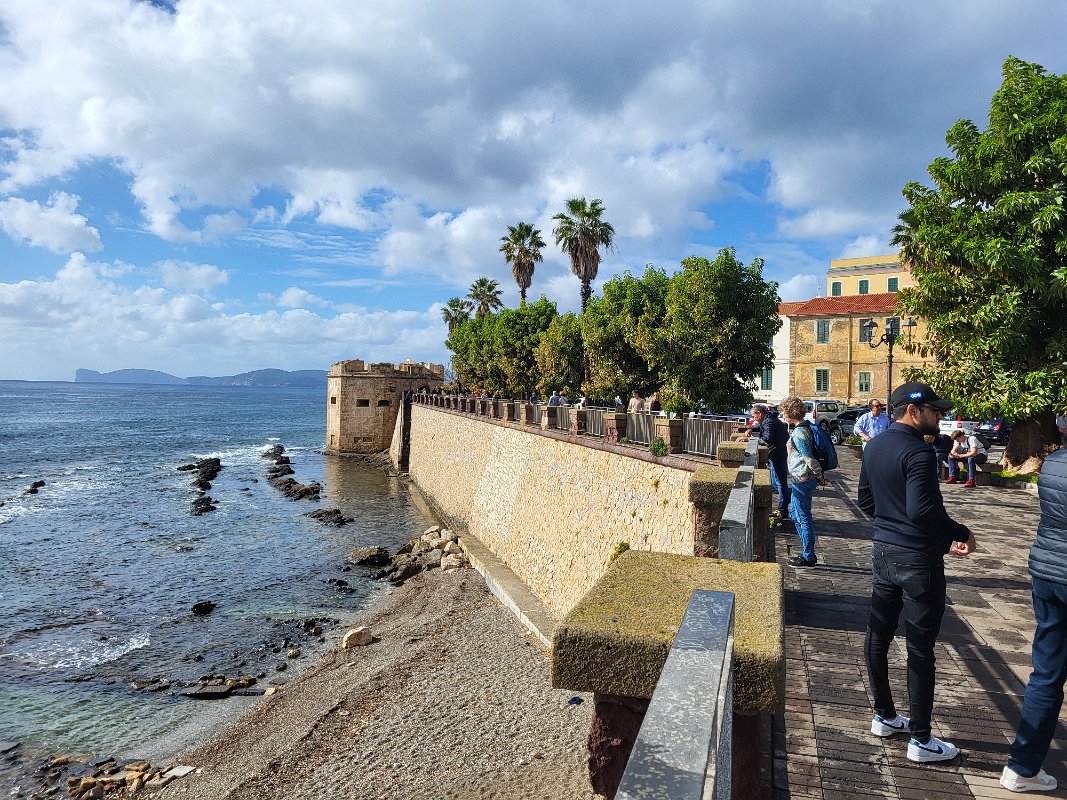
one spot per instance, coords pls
(363, 401)
(830, 353)
(872, 275)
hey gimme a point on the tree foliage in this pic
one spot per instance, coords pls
(455, 311)
(559, 356)
(495, 353)
(580, 233)
(987, 247)
(716, 333)
(522, 249)
(484, 295)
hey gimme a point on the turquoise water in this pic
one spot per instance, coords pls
(102, 566)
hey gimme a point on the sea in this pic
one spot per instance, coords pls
(102, 565)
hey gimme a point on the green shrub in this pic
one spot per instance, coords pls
(853, 439)
(658, 447)
(620, 548)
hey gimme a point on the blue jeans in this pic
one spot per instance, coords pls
(914, 582)
(800, 513)
(780, 482)
(1044, 690)
(981, 458)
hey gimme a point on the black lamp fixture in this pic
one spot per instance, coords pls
(889, 338)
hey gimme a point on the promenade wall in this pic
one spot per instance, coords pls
(553, 510)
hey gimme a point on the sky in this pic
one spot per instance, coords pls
(206, 188)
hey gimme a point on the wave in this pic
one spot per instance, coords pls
(80, 655)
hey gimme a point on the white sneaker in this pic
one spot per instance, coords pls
(1014, 782)
(933, 750)
(888, 727)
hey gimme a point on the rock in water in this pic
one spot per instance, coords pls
(203, 608)
(369, 556)
(357, 637)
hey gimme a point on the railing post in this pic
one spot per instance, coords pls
(670, 430)
(577, 422)
(614, 426)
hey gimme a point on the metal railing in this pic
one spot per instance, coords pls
(684, 749)
(640, 427)
(563, 418)
(594, 421)
(701, 435)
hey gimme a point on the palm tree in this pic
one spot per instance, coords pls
(522, 249)
(580, 234)
(484, 294)
(456, 310)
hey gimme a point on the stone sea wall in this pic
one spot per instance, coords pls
(551, 509)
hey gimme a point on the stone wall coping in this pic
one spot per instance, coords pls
(616, 640)
(688, 462)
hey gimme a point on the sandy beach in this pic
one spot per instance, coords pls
(452, 700)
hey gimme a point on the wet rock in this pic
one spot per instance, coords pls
(208, 692)
(281, 666)
(369, 556)
(294, 653)
(202, 505)
(37, 485)
(7, 746)
(330, 516)
(203, 607)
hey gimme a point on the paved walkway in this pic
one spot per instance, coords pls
(822, 744)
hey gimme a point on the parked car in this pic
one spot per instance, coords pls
(996, 430)
(822, 411)
(843, 425)
(949, 424)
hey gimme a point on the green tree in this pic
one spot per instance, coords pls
(716, 333)
(456, 311)
(987, 247)
(522, 249)
(618, 330)
(484, 294)
(581, 233)
(558, 356)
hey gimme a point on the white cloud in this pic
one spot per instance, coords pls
(54, 226)
(295, 297)
(84, 318)
(799, 287)
(188, 276)
(870, 245)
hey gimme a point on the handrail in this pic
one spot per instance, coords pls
(735, 528)
(684, 748)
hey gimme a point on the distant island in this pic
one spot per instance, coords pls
(315, 378)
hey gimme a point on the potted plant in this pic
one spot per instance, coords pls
(854, 443)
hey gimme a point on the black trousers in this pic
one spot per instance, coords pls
(914, 582)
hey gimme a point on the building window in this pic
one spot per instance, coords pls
(362, 403)
(766, 380)
(865, 332)
(892, 285)
(863, 383)
(382, 403)
(333, 401)
(865, 286)
(822, 331)
(835, 289)
(822, 380)
(892, 325)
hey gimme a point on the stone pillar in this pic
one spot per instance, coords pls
(577, 422)
(526, 414)
(670, 430)
(732, 454)
(709, 489)
(549, 415)
(612, 733)
(614, 426)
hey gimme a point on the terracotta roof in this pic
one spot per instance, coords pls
(855, 304)
(785, 309)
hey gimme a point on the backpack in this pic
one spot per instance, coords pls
(825, 453)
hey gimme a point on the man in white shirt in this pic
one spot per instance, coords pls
(965, 448)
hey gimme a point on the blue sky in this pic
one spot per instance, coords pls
(208, 188)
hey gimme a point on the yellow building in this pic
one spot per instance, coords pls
(829, 347)
(861, 276)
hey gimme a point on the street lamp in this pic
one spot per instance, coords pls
(889, 338)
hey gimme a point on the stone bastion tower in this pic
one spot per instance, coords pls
(363, 401)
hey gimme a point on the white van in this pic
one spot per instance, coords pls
(821, 411)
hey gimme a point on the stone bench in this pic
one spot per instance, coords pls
(615, 641)
(981, 472)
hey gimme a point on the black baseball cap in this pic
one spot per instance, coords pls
(920, 394)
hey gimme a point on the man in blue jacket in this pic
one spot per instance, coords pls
(1044, 690)
(912, 532)
(772, 432)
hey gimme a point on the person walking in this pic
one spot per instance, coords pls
(805, 473)
(1044, 690)
(872, 423)
(898, 487)
(774, 434)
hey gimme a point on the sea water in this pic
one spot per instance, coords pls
(100, 568)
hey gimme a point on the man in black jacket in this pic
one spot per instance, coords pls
(772, 432)
(912, 532)
(1044, 690)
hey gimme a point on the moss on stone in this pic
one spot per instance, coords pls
(762, 488)
(711, 486)
(616, 640)
(731, 451)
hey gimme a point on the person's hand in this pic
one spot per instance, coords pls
(964, 548)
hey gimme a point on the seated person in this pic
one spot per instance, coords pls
(942, 446)
(965, 449)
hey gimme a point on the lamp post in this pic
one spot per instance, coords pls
(889, 338)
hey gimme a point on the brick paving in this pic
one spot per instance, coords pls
(822, 747)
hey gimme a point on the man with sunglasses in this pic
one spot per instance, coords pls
(872, 423)
(898, 487)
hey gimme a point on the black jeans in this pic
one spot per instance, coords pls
(915, 582)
